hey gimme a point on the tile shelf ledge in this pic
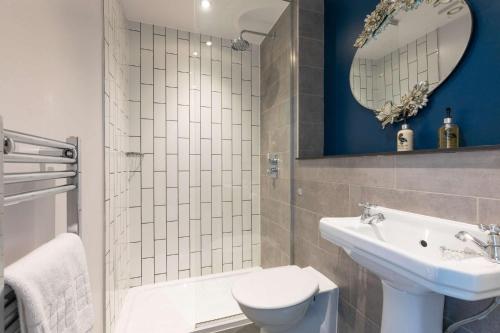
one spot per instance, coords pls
(402, 153)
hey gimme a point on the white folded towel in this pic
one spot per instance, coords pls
(52, 288)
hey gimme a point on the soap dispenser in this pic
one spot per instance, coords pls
(449, 133)
(405, 138)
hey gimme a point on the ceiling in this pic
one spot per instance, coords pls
(224, 18)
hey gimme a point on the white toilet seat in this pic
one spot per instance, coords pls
(275, 288)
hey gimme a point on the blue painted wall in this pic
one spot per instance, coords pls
(472, 90)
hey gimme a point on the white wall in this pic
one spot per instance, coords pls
(51, 84)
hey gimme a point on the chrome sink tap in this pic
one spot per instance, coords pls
(366, 215)
(490, 249)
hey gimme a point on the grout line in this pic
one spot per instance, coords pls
(178, 159)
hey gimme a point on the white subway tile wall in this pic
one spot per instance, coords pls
(118, 118)
(389, 78)
(194, 115)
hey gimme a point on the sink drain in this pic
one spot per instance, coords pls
(423, 243)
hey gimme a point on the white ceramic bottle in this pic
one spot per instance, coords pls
(405, 138)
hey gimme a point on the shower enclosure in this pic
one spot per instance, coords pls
(198, 151)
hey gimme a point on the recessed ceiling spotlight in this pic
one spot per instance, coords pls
(205, 4)
(209, 43)
(195, 53)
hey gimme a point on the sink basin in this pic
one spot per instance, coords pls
(419, 260)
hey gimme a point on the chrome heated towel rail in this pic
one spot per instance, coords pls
(42, 151)
(20, 149)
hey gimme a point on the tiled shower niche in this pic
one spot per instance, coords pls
(194, 194)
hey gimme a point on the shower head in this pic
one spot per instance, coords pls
(241, 44)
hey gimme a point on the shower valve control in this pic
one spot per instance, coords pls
(273, 165)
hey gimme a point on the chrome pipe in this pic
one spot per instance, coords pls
(37, 140)
(11, 178)
(480, 316)
(246, 31)
(37, 150)
(30, 158)
(14, 199)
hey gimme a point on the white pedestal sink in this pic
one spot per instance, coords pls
(419, 260)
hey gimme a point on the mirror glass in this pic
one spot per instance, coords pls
(418, 45)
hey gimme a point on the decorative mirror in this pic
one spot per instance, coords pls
(405, 51)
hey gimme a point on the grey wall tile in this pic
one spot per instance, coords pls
(313, 5)
(275, 137)
(311, 52)
(488, 211)
(277, 211)
(275, 189)
(352, 321)
(311, 24)
(310, 73)
(276, 140)
(276, 92)
(311, 138)
(446, 206)
(275, 235)
(275, 67)
(468, 173)
(281, 44)
(326, 199)
(366, 292)
(311, 80)
(271, 256)
(306, 254)
(311, 109)
(376, 171)
(307, 225)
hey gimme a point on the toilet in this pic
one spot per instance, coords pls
(288, 299)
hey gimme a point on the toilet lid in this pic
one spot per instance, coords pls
(275, 288)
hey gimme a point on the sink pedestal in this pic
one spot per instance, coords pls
(411, 312)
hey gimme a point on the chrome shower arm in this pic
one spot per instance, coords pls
(246, 31)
